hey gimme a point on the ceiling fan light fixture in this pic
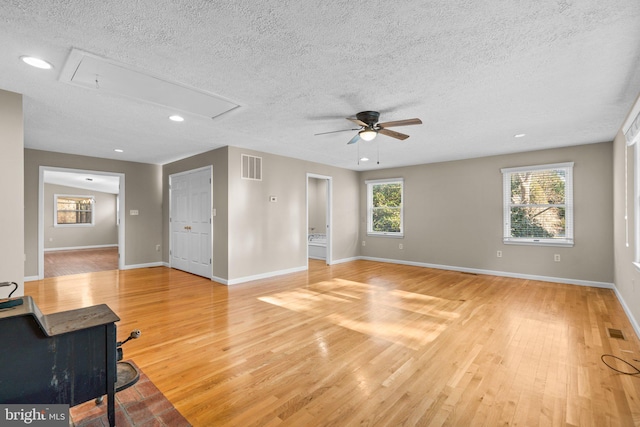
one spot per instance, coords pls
(368, 134)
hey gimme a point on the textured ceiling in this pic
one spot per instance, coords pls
(476, 73)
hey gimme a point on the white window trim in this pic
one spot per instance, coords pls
(370, 232)
(84, 196)
(636, 204)
(568, 240)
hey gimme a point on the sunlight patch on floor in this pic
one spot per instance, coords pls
(401, 317)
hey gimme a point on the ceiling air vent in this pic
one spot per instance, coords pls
(251, 167)
(631, 126)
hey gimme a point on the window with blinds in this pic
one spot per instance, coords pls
(538, 204)
(73, 210)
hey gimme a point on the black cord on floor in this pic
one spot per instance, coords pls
(15, 287)
(636, 369)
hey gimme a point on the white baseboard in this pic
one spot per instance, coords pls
(579, 282)
(146, 265)
(261, 276)
(343, 260)
(625, 307)
(75, 248)
(31, 278)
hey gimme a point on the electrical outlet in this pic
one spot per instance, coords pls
(157, 248)
(556, 257)
(364, 243)
(499, 254)
(400, 246)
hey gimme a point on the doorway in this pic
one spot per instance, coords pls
(319, 218)
(190, 224)
(87, 180)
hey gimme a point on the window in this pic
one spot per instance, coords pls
(384, 207)
(631, 131)
(538, 205)
(73, 210)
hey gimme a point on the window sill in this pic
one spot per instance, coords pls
(395, 236)
(539, 242)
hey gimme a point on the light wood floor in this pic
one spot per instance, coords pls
(365, 343)
(64, 263)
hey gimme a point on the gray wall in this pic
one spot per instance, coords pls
(626, 275)
(253, 236)
(12, 212)
(218, 160)
(453, 216)
(104, 231)
(267, 236)
(143, 192)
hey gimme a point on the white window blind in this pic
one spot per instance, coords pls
(538, 204)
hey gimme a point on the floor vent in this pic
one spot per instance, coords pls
(616, 333)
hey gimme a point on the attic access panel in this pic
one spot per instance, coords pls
(94, 72)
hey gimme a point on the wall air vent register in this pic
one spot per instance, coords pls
(251, 167)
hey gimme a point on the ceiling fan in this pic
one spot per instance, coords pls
(370, 128)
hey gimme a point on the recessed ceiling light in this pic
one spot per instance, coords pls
(119, 150)
(364, 159)
(36, 62)
(519, 135)
(176, 118)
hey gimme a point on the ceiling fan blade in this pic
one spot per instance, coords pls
(406, 122)
(393, 134)
(355, 139)
(358, 122)
(334, 131)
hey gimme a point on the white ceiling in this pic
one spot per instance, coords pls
(476, 73)
(104, 183)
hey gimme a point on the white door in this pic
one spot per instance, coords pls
(190, 223)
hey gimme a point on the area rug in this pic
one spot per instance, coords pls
(141, 405)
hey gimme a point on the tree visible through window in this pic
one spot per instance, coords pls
(538, 204)
(385, 207)
(74, 210)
